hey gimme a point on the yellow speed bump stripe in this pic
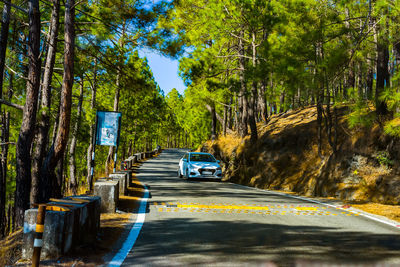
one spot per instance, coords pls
(222, 207)
(306, 208)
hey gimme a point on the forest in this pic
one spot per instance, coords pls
(241, 60)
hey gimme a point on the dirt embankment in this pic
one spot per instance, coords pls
(366, 167)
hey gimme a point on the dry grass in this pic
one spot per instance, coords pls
(390, 211)
(10, 248)
(229, 143)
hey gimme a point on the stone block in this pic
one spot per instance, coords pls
(108, 191)
(77, 210)
(129, 163)
(129, 177)
(57, 235)
(138, 156)
(134, 159)
(90, 218)
(123, 181)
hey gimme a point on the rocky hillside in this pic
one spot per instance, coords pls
(285, 157)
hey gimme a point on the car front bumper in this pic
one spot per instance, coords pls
(205, 174)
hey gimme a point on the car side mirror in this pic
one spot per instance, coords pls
(185, 160)
(218, 161)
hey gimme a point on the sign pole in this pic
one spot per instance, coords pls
(116, 148)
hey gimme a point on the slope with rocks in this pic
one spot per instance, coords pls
(285, 157)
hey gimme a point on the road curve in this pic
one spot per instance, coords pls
(222, 224)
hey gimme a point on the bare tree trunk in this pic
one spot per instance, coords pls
(213, 123)
(262, 102)
(242, 97)
(116, 104)
(23, 156)
(92, 129)
(225, 121)
(5, 26)
(57, 150)
(282, 102)
(253, 99)
(72, 164)
(3, 182)
(382, 76)
(43, 124)
(229, 115)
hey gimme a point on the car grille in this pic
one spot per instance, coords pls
(207, 170)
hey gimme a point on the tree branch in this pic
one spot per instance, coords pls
(2, 101)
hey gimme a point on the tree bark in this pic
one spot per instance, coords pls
(282, 102)
(242, 97)
(213, 123)
(253, 98)
(5, 26)
(23, 156)
(57, 150)
(262, 102)
(72, 164)
(92, 129)
(116, 97)
(116, 104)
(382, 76)
(43, 125)
(3, 182)
(229, 115)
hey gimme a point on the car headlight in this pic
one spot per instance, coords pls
(219, 169)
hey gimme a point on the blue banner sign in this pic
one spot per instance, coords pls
(108, 126)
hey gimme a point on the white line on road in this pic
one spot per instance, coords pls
(390, 223)
(133, 234)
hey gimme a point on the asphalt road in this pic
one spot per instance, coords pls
(221, 224)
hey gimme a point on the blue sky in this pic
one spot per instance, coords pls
(165, 71)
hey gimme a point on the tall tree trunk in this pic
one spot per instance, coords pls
(262, 102)
(369, 79)
(213, 123)
(3, 180)
(382, 76)
(117, 93)
(43, 125)
(253, 99)
(229, 115)
(23, 156)
(57, 150)
(72, 165)
(225, 121)
(116, 104)
(282, 102)
(242, 97)
(92, 129)
(5, 26)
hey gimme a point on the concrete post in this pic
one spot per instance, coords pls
(108, 191)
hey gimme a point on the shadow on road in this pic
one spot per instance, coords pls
(281, 244)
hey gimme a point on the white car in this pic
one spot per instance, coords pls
(199, 165)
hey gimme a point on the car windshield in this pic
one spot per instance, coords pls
(202, 157)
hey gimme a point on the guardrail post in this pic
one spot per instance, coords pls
(38, 243)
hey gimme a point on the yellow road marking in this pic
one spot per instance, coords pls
(223, 207)
(306, 208)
